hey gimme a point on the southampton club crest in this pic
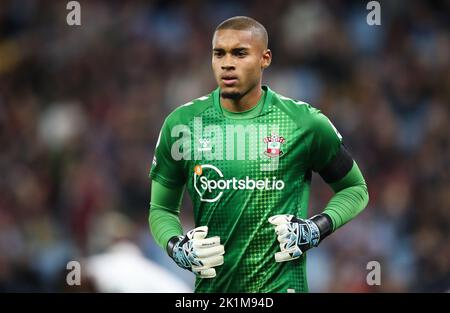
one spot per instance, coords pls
(274, 143)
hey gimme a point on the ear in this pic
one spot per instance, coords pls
(266, 59)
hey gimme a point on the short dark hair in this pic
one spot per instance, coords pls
(245, 23)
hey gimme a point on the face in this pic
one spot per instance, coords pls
(238, 59)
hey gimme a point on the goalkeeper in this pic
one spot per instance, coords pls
(245, 154)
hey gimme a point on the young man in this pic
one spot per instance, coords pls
(246, 154)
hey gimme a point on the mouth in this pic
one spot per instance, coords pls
(229, 80)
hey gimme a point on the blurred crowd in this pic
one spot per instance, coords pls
(81, 108)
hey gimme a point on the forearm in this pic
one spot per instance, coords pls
(193, 251)
(164, 225)
(350, 198)
(164, 218)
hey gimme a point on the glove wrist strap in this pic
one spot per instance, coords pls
(324, 223)
(171, 244)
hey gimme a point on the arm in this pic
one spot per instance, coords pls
(298, 235)
(335, 165)
(164, 210)
(350, 198)
(193, 251)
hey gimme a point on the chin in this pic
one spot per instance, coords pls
(230, 94)
(228, 89)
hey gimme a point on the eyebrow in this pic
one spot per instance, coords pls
(239, 49)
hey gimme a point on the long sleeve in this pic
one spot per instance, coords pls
(165, 206)
(350, 198)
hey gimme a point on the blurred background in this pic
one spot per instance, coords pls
(81, 108)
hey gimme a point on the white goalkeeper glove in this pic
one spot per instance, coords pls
(297, 235)
(197, 253)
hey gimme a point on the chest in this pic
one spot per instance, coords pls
(259, 152)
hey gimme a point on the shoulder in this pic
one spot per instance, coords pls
(302, 113)
(186, 112)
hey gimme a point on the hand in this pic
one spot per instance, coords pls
(295, 236)
(197, 253)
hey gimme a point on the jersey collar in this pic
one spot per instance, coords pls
(266, 105)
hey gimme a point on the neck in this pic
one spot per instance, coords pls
(244, 103)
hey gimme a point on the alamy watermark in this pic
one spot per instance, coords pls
(73, 277)
(228, 142)
(74, 16)
(260, 141)
(374, 16)
(373, 278)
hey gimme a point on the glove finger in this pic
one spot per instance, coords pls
(199, 233)
(210, 251)
(281, 229)
(284, 238)
(283, 257)
(205, 273)
(279, 219)
(207, 242)
(288, 255)
(211, 261)
(276, 220)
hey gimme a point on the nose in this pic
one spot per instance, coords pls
(228, 67)
(228, 63)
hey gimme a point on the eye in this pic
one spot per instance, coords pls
(218, 54)
(241, 54)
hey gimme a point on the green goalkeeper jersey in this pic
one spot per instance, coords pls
(241, 168)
